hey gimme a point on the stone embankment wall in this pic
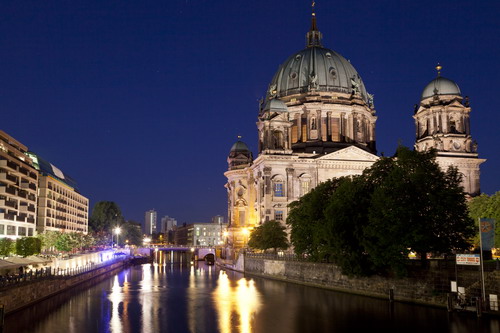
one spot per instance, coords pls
(14, 298)
(426, 286)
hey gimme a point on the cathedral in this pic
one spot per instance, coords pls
(317, 122)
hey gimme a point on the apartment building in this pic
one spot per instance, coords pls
(18, 189)
(60, 205)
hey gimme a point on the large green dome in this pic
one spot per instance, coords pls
(316, 67)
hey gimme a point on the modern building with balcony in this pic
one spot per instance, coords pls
(61, 207)
(18, 189)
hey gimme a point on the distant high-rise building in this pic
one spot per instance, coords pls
(218, 219)
(167, 224)
(150, 222)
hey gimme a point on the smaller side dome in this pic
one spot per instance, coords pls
(239, 147)
(240, 156)
(275, 105)
(441, 86)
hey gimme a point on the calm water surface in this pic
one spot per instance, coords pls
(200, 298)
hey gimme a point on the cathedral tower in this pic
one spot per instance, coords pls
(442, 121)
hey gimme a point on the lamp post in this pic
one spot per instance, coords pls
(246, 232)
(117, 231)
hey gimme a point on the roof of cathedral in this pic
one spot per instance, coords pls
(440, 86)
(239, 146)
(315, 68)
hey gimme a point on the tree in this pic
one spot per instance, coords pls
(417, 207)
(63, 243)
(132, 232)
(27, 246)
(48, 239)
(369, 223)
(306, 218)
(485, 206)
(345, 217)
(269, 235)
(6, 246)
(106, 215)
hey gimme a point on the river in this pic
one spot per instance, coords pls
(200, 298)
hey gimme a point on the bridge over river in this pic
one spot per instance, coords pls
(179, 254)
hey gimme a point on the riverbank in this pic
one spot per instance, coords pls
(29, 292)
(430, 286)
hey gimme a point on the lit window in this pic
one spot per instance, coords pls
(278, 189)
(304, 185)
(278, 215)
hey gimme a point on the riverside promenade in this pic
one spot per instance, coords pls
(37, 282)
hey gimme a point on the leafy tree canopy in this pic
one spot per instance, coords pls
(269, 235)
(368, 223)
(27, 246)
(132, 232)
(6, 246)
(106, 215)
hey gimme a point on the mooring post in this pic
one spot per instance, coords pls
(449, 303)
(391, 295)
(479, 306)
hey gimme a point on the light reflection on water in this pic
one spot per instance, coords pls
(236, 303)
(199, 298)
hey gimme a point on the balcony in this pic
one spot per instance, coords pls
(30, 220)
(26, 185)
(8, 164)
(24, 171)
(8, 203)
(5, 177)
(9, 190)
(7, 216)
(20, 218)
(33, 175)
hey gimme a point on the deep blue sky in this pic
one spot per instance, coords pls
(140, 101)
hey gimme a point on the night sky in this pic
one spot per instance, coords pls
(141, 101)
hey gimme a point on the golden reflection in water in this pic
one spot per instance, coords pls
(146, 302)
(242, 301)
(116, 298)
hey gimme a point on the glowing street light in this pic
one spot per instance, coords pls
(246, 232)
(117, 232)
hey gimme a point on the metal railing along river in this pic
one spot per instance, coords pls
(53, 273)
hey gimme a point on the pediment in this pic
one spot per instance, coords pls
(351, 153)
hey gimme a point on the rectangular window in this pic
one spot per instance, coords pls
(335, 130)
(21, 231)
(278, 215)
(11, 230)
(304, 187)
(30, 232)
(278, 190)
(2, 229)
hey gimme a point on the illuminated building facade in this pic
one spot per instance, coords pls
(18, 189)
(61, 207)
(317, 122)
(442, 121)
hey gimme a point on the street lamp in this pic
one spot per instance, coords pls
(246, 232)
(117, 231)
